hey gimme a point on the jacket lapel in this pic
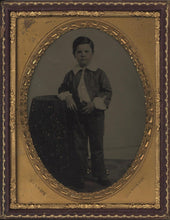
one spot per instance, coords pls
(77, 78)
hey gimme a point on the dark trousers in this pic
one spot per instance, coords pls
(84, 127)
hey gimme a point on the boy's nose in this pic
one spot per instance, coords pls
(83, 54)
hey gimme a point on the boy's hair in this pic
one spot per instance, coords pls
(82, 40)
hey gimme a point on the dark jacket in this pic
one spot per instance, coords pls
(97, 84)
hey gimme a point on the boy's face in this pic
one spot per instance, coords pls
(83, 54)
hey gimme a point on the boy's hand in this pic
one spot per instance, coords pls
(88, 108)
(70, 103)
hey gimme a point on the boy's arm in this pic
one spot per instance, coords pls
(105, 94)
(65, 94)
(64, 89)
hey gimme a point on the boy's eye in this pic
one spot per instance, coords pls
(86, 51)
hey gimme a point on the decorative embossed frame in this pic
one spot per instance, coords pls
(27, 75)
(156, 108)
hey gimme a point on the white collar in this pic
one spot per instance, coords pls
(77, 68)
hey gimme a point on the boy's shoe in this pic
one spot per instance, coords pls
(107, 171)
(104, 181)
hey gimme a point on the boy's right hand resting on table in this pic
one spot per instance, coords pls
(70, 103)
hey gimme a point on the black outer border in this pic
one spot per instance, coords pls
(87, 212)
(1, 85)
(169, 106)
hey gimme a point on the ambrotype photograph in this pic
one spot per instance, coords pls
(86, 110)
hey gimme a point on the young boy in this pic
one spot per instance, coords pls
(87, 93)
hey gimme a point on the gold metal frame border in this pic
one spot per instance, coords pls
(149, 99)
(28, 72)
